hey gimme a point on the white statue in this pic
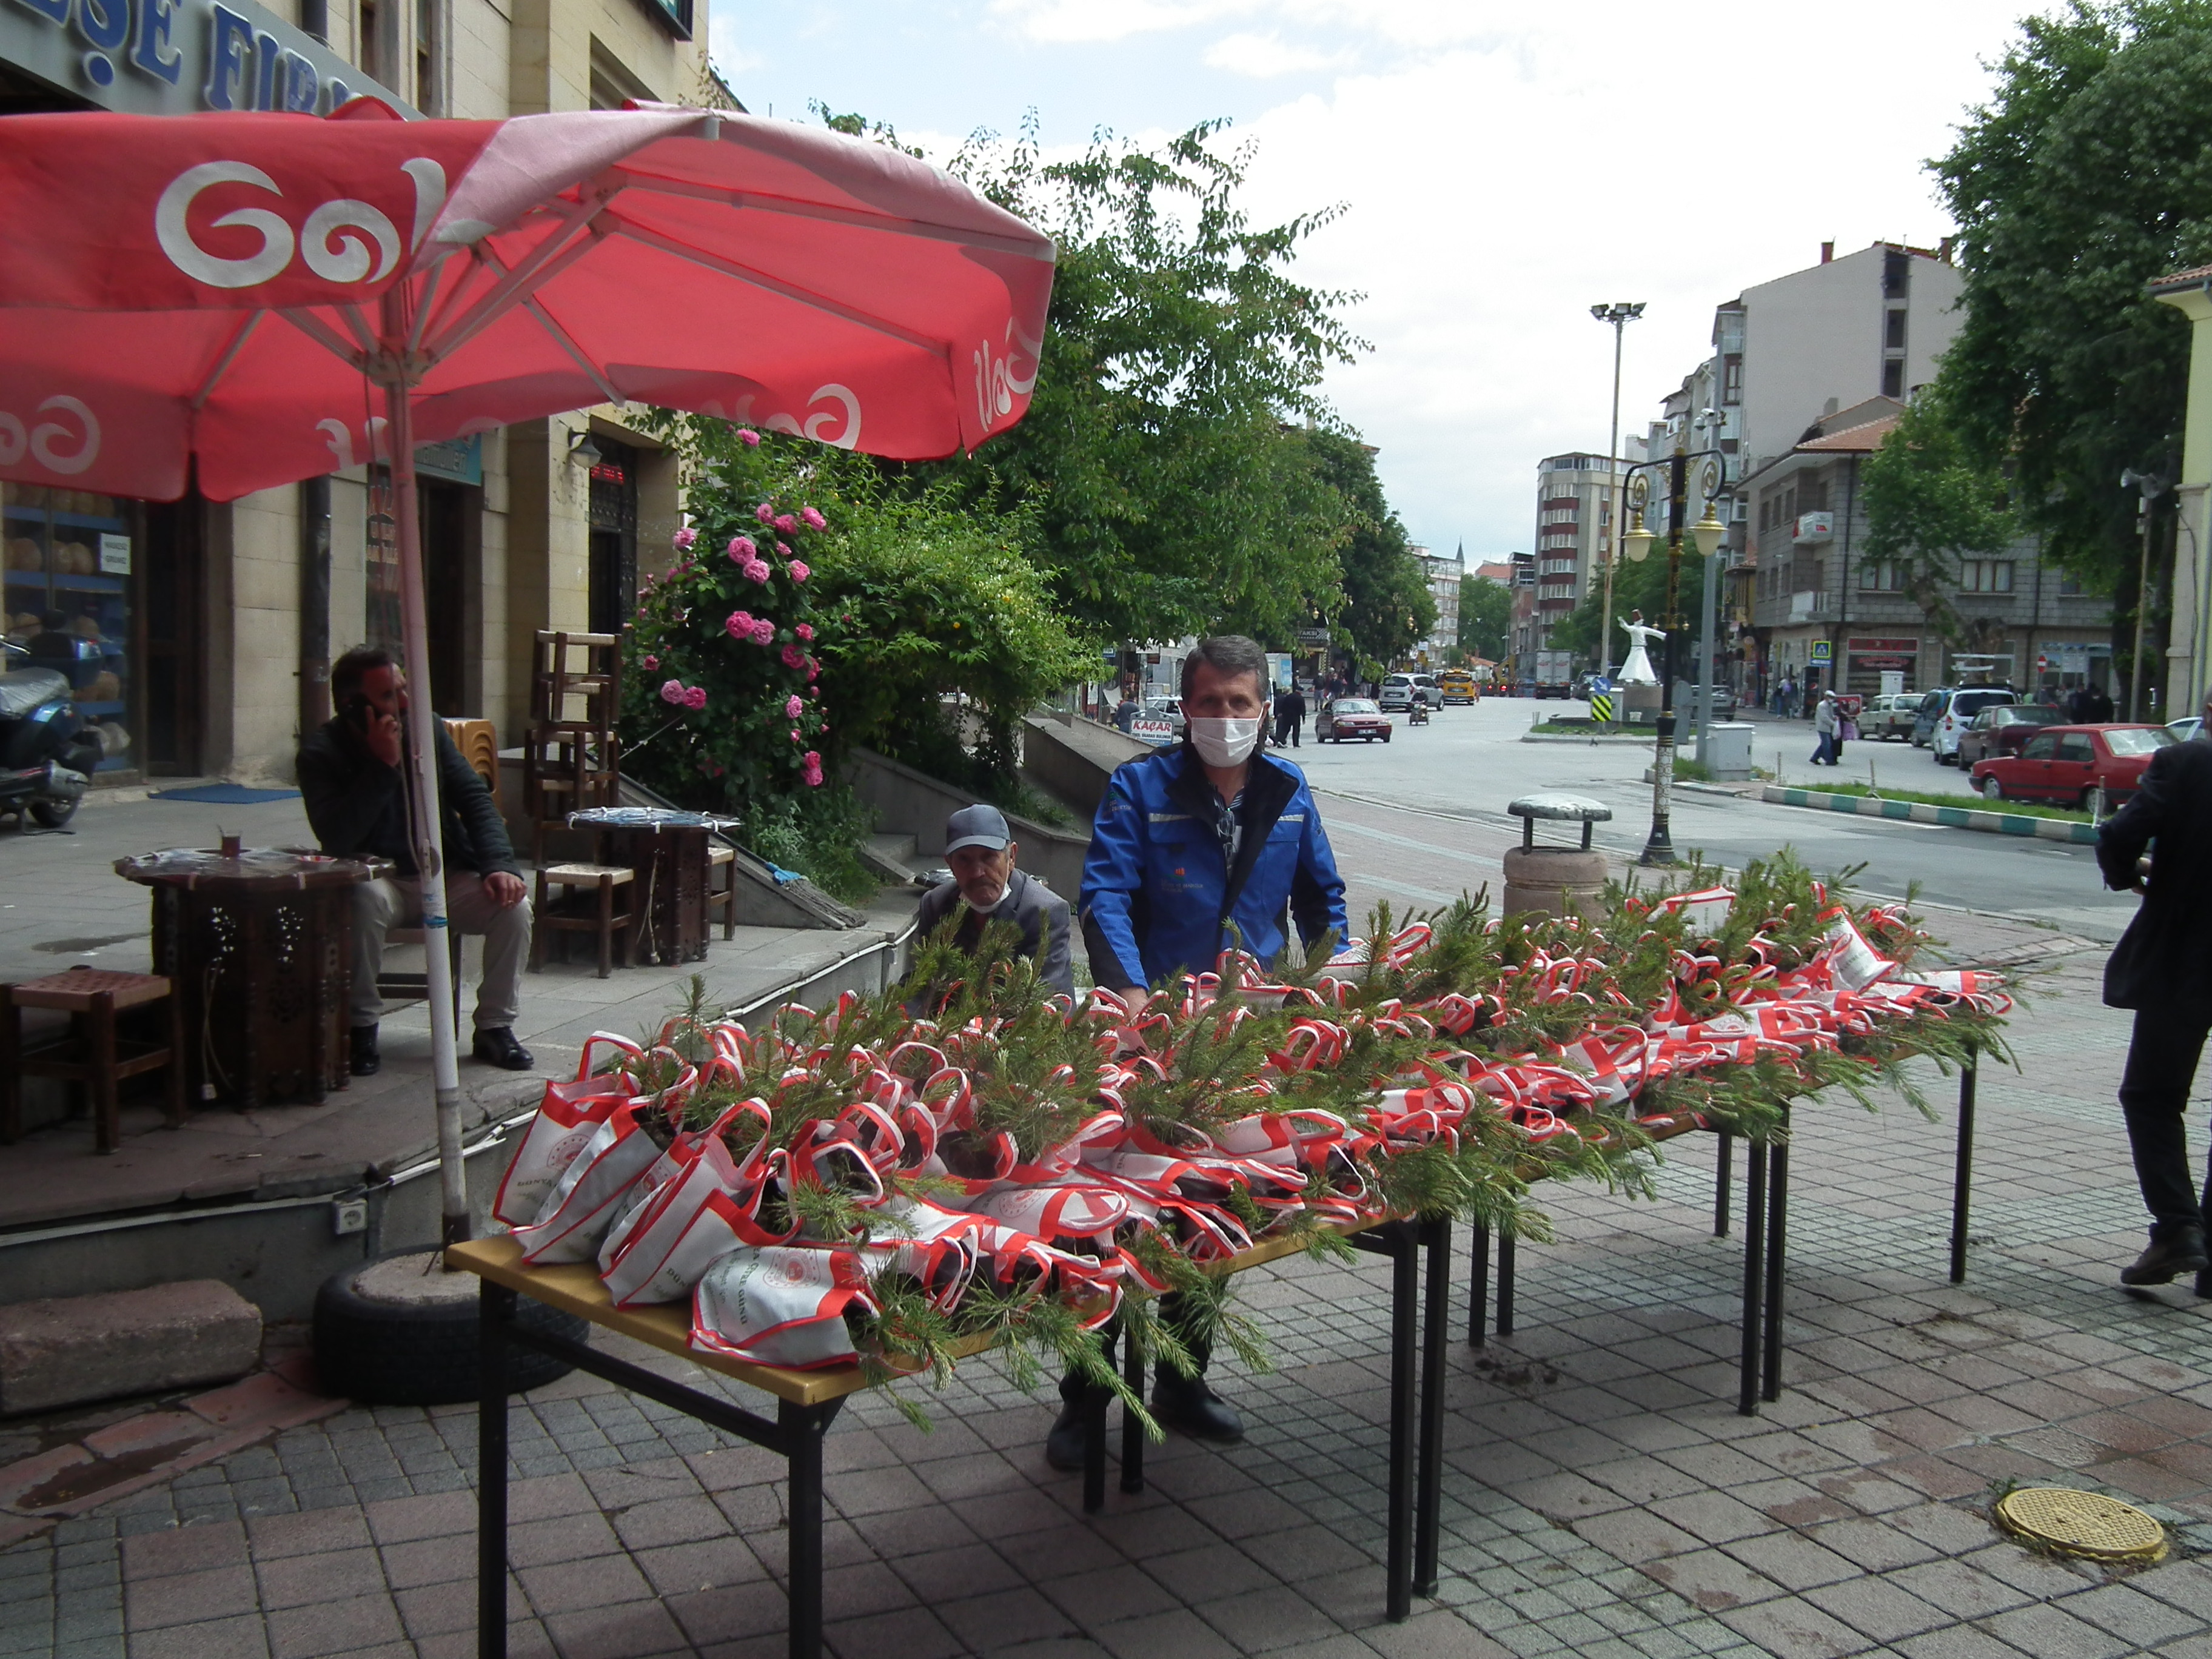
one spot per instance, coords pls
(1637, 670)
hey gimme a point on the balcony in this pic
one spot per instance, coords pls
(1812, 528)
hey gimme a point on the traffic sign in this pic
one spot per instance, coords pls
(1601, 707)
(1820, 651)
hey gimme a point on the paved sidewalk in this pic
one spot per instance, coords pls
(1601, 1498)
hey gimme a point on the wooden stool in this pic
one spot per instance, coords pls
(92, 997)
(399, 986)
(724, 897)
(605, 921)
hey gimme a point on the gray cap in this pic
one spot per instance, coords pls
(977, 826)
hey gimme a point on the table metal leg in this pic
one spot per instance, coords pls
(1436, 1237)
(495, 1311)
(1094, 1437)
(1754, 1262)
(803, 1428)
(1962, 1170)
(1132, 1431)
(1478, 1286)
(1404, 1310)
(1505, 1243)
(1723, 1171)
(1777, 1232)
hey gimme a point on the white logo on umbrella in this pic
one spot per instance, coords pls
(331, 256)
(39, 440)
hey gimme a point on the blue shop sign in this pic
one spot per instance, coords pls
(176, 56)
(460, 460)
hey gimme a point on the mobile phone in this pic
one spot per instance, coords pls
(358, 712)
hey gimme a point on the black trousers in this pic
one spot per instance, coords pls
(1171, 1314)
(2162, 1058)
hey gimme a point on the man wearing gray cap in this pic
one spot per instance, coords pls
(980, 847)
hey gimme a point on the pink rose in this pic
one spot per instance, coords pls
(684, 537)
(748, 438)
(810, 765)
(786, 525)
(765, 513)
(742, 549)
(813, 669)
(652, 663)
(800, 573)
(695, 698)
(795, 737)
(792, 705)
(739, 625)
(813, 690)
(763, 630)
(671, 690)
(793, 657)
(805, 630)
(758, 570)
(814, 520)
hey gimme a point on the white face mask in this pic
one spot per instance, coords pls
(1223, 741)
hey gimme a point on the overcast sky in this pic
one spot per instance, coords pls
(1504, 167)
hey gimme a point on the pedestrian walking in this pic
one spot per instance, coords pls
(2162, 970)
(1289, 717)
(1825, 721)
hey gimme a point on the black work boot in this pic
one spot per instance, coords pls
(362, 1057)
(1187, 1403)
(2173, 1252)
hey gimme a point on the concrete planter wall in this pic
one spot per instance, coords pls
(911, 803)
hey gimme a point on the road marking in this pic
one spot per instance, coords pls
(1347, 826)
(1428, 895)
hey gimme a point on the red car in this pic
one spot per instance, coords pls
(2063, 763)
(2003, 728)
(1352, 717)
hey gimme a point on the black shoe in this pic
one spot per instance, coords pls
(361, 1050)
(2204, 1282)
(1063, 1447)
(2167, 1259)
(495, 1046)
(1186, 1403)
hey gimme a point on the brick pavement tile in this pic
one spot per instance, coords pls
(1431, 1636)
(605, 1581)
(1714, 1516)
(240, 1638)
(955, 1479)
(1635, 1536)
(185, 1549)
(670, 1520)
(677, 1569)
(1108, 1594)
(1795, 1562)
(539, 1498)
(2042, 1576)
(1306, 1550)
(1064, 1549)
(895, 1533)
(863, 1589)
(562, 1538)
(1242, 1515)
(639, 1630)
(967, 1570)
(299, 1533)
(1790, 1629)
(427, 1561)
(1641, 1480)
(1869, 1493)
(644, 1481)
(1001, 1618)
(1177, 1635)
(912, 1633)
(190, 1597)
(1026, 1511)
(1872, 1544)
(2184, 1584)
(439, 1609)
(1957, 1642)
(1264, 1620)
(1147, 1532)
(726, 1466)
(1208, 1572)
(1710, 1580)
(1563, 1496)
(1076, 1647)
(294, 1581)
(343, 1626)
(1339, 1646)
(737, 1613)
(2144, 1479)
(440, 1515)
(1934, 1477)
(2128, 1613)
(1949, 1529)
(2052, 1632)
(1878, 1608)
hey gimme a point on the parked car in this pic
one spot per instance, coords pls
(2063, 763)
(1933, 703)
(1964, 704)
(1685, 700)
(1352, 717)
(1889, 717)
(1397, 693)
(2003, 727)
(1425, 685)
(2185, 729)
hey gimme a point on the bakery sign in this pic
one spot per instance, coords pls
(176, 56)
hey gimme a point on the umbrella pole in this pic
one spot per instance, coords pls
(429, 850)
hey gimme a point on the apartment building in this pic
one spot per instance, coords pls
(1443, 572)
(219, 619)
(1574, 527)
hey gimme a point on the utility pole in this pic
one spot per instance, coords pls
(1620, 313)
(2150, 486)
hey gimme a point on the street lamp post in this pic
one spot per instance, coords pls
(2151, 487)
(1706, 535)
(1620, 313)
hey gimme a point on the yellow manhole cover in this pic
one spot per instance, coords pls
(2082, 1523)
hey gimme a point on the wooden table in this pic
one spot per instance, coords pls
(668, 850)
(259, 944)
(808, 1401)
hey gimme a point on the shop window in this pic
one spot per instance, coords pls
(380, 565)
(613, 538)
(70, 558)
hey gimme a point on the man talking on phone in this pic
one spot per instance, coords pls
(353, 781)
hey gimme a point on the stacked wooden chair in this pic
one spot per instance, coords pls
(571, 763)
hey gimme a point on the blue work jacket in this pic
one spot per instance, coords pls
(1158, 896)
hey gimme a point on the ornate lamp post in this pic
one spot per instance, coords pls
(1707, 535)
(1620, 313)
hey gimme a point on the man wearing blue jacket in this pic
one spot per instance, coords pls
(1197, 848)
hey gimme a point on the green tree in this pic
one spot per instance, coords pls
(2087, 174)
(1379, 597)
(1485, 618)
(1931, 499)
(1169, 497)
(1638, 587)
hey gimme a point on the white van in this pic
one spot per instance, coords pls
(1397, 693)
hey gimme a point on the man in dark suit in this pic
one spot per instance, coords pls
(2163, 969)
(980, 847)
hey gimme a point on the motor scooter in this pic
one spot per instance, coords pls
(47, 753)
(1418, 712)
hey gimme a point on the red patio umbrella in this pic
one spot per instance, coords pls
(254, 298)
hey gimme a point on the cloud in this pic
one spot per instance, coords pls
(1262, 57)
(1069, 22)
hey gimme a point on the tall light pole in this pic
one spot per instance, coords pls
(1620, 314)
(2151, 486)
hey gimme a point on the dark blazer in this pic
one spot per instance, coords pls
(1039, 913)
(358, 805)
(2164, 960)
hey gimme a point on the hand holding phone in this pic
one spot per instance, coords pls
(379, 729)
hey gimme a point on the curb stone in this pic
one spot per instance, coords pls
(1954, 817)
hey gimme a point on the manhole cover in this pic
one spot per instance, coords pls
(2082, 1523)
